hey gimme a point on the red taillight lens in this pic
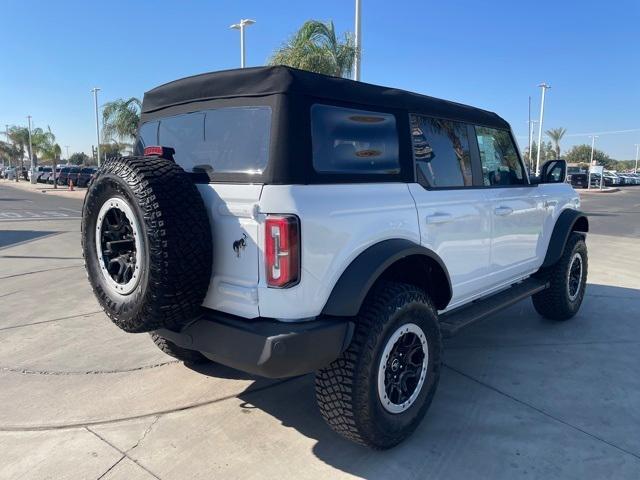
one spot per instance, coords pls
(152, 150)
(282, 250)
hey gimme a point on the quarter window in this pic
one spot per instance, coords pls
(499, 158)
(346, 140)
(441, 152)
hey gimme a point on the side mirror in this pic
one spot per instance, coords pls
(554, 171)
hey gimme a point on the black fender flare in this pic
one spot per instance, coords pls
(569, 221)
(355, 282)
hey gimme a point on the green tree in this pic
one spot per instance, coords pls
(19, 137)
(556, 134)
(51, 151)
(120, 119)
(79, 158)
(582, 154)
(316, 48)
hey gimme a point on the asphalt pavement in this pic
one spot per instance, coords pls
(520, 397)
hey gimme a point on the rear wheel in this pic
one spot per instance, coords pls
(567, 282)
(173, 350)
(146, 241)
(380, 388)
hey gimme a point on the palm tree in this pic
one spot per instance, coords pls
(120, 119)
(315, 47)
(19, 137)
(556, 134)
(52, 151)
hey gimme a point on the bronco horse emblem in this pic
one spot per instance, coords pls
(240, 244)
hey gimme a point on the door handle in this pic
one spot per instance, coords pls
(439, 217)
(503, 211)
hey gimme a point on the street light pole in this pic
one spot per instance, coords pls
(532, 125)
(635, 170)
(6, 133)
(31, 166)
(358, 42)
(95, 91)
(67, 147)
(544, 87)
(593, 147)
(240, 26)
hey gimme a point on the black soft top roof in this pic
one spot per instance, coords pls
(264, 81)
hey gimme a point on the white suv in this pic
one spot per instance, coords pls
(283, 222)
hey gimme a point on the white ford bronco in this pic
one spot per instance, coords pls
(282, 222)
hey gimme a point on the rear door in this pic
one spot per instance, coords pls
(224, 140)
(454, 216)
(518, 210)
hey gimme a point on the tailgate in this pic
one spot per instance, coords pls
(235, 274)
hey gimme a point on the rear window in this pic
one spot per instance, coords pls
(224, 140)
(347, 140)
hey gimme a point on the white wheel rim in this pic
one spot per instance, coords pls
(383, 389)
(117, 203)
(574, 276)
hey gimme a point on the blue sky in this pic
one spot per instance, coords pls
(488, 54)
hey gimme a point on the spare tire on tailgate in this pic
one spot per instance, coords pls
(146, 242)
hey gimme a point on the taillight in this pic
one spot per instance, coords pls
(282, 250)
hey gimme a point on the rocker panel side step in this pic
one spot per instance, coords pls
(452, 322)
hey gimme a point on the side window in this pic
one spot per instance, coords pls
(346, 140)
(147, 135)
(499, 158)
(441, 152)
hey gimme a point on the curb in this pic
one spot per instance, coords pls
(598, 191)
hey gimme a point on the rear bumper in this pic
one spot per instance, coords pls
(265, 347)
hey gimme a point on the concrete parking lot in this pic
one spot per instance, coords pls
(520, 397)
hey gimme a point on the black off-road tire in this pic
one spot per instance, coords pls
(183, 354)
(555, 303)
(175, 239)
(347, 389)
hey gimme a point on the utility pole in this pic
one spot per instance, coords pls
(67, 147)
(95, 91)
(358, 42)
(635, 170)
(31, 166)
(532, 124)
(240, 26)
(6, 133)
(544, 87)
(593, 147)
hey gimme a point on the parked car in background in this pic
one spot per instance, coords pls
(68, 173)
(85, 175)
(37, 171)
(44, 174)
(53, 176)
(9, 173)
(629, 179)
(577, 177)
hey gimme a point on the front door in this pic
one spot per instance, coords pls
(517, 208)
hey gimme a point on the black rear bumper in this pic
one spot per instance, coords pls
(265, 347)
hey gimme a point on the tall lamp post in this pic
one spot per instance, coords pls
(532, 125)
(635, 170)
(544, 87)
(240, 26)
(31, 165)
(95, 91)
(358, 42)
(593, 147)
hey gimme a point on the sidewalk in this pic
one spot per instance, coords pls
(45, 188)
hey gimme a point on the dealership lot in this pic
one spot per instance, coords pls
(520, 397)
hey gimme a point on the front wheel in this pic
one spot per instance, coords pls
(567, 282)
(377, 392)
